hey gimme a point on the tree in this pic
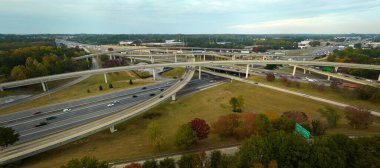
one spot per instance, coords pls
(200, 160)
(216, 157)
(150, 164)
(237, 103)
(284, 123)
(185, 161)
(185, 137)
(200, 127)
(18, 72)
(334, 85)
(100, 87)
(88, 162)
(133, 165)
(358, 45)
(273, 164)
(130, 82)
(167, 163)
(8, 136)
(358, 117)
(264, 127)
(226, 125)
(270, 66)
(317, 128)
(88, 91)
(331, 115)
(155, 135)
(270, 77)
(110, 86)
(298, 117)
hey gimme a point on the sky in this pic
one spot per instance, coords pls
(190, 16)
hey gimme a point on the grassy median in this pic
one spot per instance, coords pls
(174, 73)
(131, 140)
(119, 81)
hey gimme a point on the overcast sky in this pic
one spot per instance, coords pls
(190, 16)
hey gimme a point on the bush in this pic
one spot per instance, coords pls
(358, 117)
(298, 117)
(133, 165)
(185, 161)
(270, 77)
(284, 123)
(85, 162)
(317, 128)
(185, 137)
(331, 115)
(100, 87)
(110, 86)
(88, 91)
(150, 164)
(200, 127)
(130, 82)
(167, 163)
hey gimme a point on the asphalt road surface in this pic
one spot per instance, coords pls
(90, 109)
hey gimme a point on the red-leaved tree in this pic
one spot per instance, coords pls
(133, 165)
(200, 127)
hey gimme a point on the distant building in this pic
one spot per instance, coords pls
(373, 44)
(304, 44)
(125, 43)
(167, 43)
(222, 42)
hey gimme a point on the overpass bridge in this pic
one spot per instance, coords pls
(44, 79)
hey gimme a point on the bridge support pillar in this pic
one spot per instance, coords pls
(130, 57)
(44, 86)
(328, 77)
(152, 60)
(378, 79)
(1, 89)
(200, 72)
(204, 57)
(112, 129)
(294, 70)
(110, 57)
(105, 78)
(247, 71)
(173, 97)
(336, 69)
(154, 74)
(175, 57)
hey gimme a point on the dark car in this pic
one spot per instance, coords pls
(161, 96)
(152, 94)
(161, 89)
(36, 113)
(143, 88)
(41, 124)
(51, 118)
(134, 96)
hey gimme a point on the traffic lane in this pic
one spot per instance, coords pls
(61, 106)
(98, 112)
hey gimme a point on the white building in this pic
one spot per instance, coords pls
(304, 44)
(124, 43)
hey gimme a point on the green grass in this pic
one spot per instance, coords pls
(328, 93)
(119, 81)
(173, 73)
(131, 140)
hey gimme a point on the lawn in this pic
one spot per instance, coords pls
(328, 93)
(131, 140)
(173, 73)
(119, 81)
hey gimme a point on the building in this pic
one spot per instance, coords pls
(125, 43)
(304, 44)
(167, 43)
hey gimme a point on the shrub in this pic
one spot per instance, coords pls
(200, 127)
(270, 77)
(358, 117)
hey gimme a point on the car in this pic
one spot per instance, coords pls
(110, 105)
(161, 89)
(36, 113)
(66, 110)
(152, 94)
(161, 96)
(134, 96)
(256, 83)
(143, 88)
(41, 124)
(116, 101)
(211, 81)
(51, 118)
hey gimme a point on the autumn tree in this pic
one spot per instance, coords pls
(270, 77)
(200, 127)
(298, 117)
(18, 72)
(226, 125)
(185, 136)
(331, 115)
(247, 125)
(155, 135)
(133, 165)
(358, 117)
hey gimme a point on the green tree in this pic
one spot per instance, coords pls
(150, 164)
(358, 45)
(185, 161)
(185, 137)
(155, 135)
(167, 163)
(18, 72)
(110, 85)
(237, 103)
(130, 82)
(331, 115)
(284, 123)
(8, 136)
(264, 126)
(216, 157)
(100, 87)
(317, 128)
(88, 162)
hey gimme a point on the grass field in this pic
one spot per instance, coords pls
(328, 93)
(119, 81)
(175, 72)
(131, 140)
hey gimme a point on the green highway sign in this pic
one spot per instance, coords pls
(302, 131)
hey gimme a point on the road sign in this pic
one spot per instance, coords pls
(302, 131)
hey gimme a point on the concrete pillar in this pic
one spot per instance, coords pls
(154, 74)
(173, 97)
(247, 71)
(304, 71)
(105, 78)
(204, 57)
(130, 57)
(200, 72)
(112, 129)
(294, 70)
(44, 86)
(1, 89)
(175, 57)
(336, 69)
(152, 60)
(167, 51)
(110, 57)
(378, 79)
(328, 77)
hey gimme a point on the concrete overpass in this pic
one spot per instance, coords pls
(44, 79)
(20, 151)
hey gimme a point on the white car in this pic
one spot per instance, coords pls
(66, 110)
(110, 105)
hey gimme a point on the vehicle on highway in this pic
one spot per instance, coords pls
(152, 94)
(211, 81)
(143, 88)
(134, 96)
(36, 113)
(161, 89)
(116, 101)
(161, 96)
(66, 110)
(41, 124)
(51, 118)
(110, 105)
